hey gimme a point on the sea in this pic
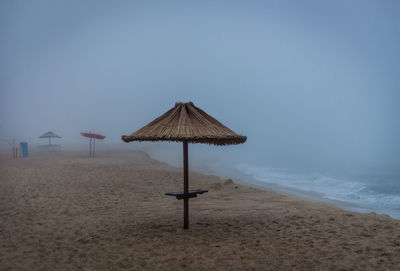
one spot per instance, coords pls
(361, 191)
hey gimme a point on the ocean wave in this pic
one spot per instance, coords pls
(344, 190)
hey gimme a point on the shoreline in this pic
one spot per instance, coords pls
(66, 211)
(241, 179)
(316, 197)
(250, 181)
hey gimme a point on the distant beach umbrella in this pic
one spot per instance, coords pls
(188, 124)
(49, 135)
(94, 137)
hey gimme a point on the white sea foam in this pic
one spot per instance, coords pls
(345, 190)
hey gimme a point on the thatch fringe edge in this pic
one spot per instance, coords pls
(234, 140)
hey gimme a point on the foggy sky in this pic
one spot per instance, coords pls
(308, 82)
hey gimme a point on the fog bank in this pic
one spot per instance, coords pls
(313, 85)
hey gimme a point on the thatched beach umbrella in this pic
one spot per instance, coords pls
(49, 135)
(188, 124)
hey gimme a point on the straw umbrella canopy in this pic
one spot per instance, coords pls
(49, 135)
(188, 124)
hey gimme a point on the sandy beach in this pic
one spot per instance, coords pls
(64, 211)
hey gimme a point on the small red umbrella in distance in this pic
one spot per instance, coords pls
(94, 137)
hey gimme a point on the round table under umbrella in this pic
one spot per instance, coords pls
(49, 135)
(188, 124)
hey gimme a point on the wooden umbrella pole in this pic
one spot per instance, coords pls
(185, 186)
(94, 146)
(90, 147)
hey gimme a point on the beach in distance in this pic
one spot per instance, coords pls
(66, 211)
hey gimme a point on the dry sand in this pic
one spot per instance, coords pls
(64, 211)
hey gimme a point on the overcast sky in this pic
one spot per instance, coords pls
(307, 81)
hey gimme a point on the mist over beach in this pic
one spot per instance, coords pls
(315, 87)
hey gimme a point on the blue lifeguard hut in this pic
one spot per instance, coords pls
(24, 149)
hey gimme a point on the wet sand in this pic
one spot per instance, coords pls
(64, 211)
